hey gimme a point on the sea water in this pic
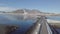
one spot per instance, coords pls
(23, 23)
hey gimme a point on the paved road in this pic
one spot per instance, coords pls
(40, 27)
(35, 28)
(45, 29)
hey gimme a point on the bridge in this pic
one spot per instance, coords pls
(41, 27)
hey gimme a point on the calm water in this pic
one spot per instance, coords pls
(24, 22)
(19, 20)
(55, 18)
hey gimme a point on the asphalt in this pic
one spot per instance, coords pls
(46, 28)
(43, 26)
(34, 29)
(39, 27)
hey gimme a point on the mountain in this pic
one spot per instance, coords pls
(27, 10)
(18, 11)
(33, 11)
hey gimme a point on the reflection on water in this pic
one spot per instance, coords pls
(21, 17)
(24, 22)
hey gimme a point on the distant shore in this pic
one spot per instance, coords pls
(38, 14)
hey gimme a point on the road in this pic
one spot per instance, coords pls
(40, 27)
(35, 28)
(45, 29)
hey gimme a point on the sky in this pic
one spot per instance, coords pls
(52, 6)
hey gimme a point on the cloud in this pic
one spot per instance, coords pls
(7, 9)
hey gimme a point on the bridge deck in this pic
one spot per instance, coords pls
(41, 27)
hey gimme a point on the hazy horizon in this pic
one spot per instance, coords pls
(52, 6)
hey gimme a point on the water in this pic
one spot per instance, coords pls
(24, 24)
(55, 18)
